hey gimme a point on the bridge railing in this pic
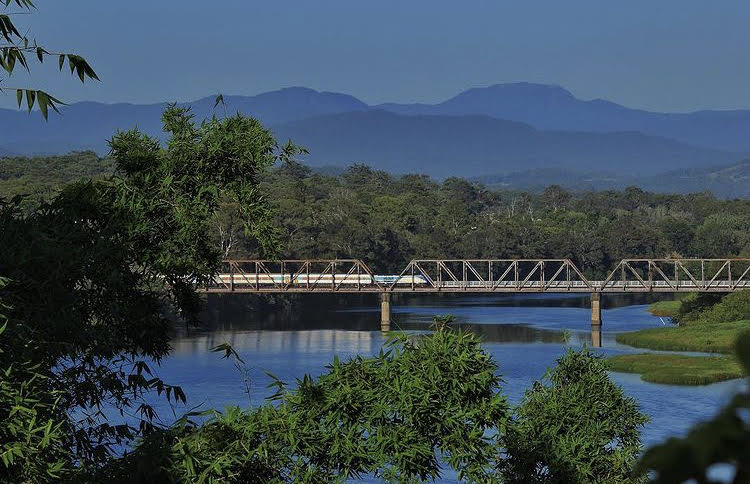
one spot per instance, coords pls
(494, 274)
(482, 275)
(677, 274)
(302, 274)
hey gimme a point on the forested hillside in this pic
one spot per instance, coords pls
(726, 181)
(40, 177)
(387, 220)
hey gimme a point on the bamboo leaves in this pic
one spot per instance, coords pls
(13, 53)
(43, 101)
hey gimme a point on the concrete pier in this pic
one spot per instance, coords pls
(385, 311)
(596, 320)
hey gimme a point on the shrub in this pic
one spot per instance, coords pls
(575, 425)
(694, 305)
(733, 307)
(725, 439)
(395, 416)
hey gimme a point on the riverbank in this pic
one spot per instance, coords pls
(678, 369)
(714, 330)
(666, 309)
(700, 337)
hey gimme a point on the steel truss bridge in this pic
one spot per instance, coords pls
(480, 276)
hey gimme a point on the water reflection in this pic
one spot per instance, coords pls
(524, 334)
(301, 341)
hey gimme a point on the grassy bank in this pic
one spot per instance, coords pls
(667, 309)
(704, 337)
(678, 369)
(707, 325)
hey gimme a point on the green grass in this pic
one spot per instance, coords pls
(704, 337)
(678, 369)
(665, 308)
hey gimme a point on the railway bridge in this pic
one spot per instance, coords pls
(482, 276)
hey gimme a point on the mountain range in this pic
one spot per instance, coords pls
(474, 145)
(554, 108)
(482, 131)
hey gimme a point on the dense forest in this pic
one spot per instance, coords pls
(387, 220)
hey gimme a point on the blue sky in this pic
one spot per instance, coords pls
(673, 55)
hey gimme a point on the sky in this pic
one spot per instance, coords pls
(666, 55)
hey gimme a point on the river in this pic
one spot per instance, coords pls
(522, 332)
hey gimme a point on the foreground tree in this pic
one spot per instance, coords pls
(394, 416)
(93, 274)
(723, 440)
(575, 425)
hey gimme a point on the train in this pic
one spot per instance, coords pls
(317, 279)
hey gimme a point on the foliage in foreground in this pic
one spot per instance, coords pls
(725, 439)
(18, 50)
(575, 425)
(32, 444)
(392, 416)
(675, 369)
(91, 275)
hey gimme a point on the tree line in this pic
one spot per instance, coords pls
(387, 220)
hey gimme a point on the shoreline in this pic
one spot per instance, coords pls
(716, 339)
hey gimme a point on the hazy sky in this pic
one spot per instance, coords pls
(675, 55)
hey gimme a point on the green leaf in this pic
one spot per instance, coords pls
(43, 102)
(30, 98)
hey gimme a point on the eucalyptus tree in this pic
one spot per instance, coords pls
(19, 51)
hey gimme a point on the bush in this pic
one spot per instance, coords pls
(694, 305)
(725, 439)
(733, 307)
(33, 447)
(394, 416)
(575, 425)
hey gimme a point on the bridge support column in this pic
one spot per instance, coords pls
(385, 311)
(596, 320)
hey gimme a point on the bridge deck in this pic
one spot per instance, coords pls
(481, 276)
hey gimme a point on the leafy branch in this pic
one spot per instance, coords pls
(16, 52)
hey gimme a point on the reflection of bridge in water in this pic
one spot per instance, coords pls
(482, 276)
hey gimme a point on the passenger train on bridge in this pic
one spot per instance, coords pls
(317, 279)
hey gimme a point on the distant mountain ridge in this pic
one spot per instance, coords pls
(88, 125)
(492, 130)
(474, 145)
(554, 108)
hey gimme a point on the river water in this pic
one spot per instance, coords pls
(522, 332)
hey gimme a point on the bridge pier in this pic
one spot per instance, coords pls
(385, 311)
(596, 319)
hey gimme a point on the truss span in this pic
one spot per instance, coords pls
(481, 276)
